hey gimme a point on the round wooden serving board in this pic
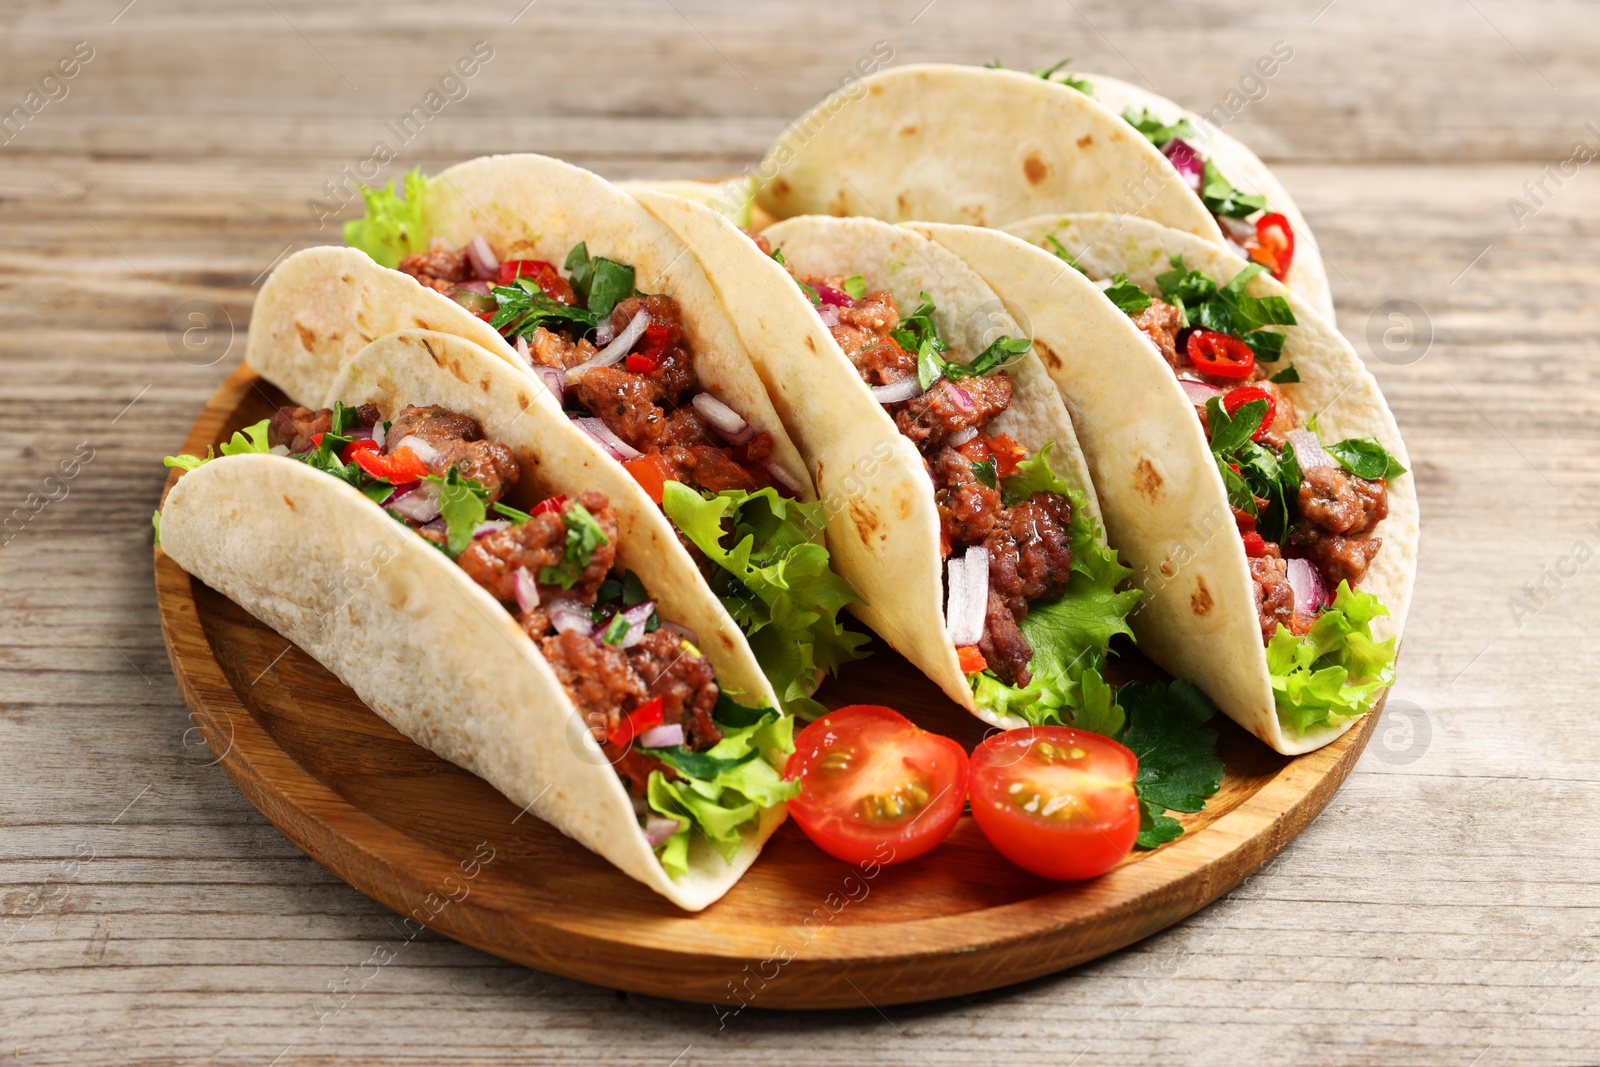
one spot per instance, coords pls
(801, 930)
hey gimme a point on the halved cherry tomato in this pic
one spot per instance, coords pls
(652, 472)
(971, 659)
(1056, 801)
(646, 355)
(875, 787)
(549, 503)
(398, 468)
(1238, 398)
(1255, 546)
(1274, 247)
(1220, 355)
(1007, 454)
(366, 444)
(545, 275)
(635, 723)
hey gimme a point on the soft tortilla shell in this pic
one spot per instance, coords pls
(1333, 383)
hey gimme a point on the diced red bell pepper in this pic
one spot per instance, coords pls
(549, 504)
(635, 723)
(366, 444)
(646, 355)
(971, 659)
(1255, 546)
(399, 468)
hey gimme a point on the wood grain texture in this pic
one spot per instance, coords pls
(1442, 909)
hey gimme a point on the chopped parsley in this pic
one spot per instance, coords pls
(1053, 74)
(1059, 250)
(917, 333)
(461, 505)
(583, 537)
(1155, 131)
(1221, 198)
(1365, 458)
(984, 471)
(599, 282)
(1178, 764)
(1129, 298)
(1228, 309)
(1286, 375)
(616, 629)
(856, 286)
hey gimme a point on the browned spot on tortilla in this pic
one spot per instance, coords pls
(483, 383)
(780, 187)
(907, 131)
(876, 90)
(902, 506)
(428, 347)
(346, 278)
(522, 400)
(973, 212)
(1035, 169)
(1086, 140)
(1116, 135)
(289, 502)
(865, 521)
(308, 338)
(1167, 569)
(840, 205)
(421, 324)
(1200, 600)
(817, 477)
(810, 343)
(900, 202)
(1146, 479)
(1047, 354)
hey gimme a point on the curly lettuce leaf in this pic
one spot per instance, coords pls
(392, 227)
(1069, 636)
(250, 439)
(720, 791)
(775, 582)
(1335, 672)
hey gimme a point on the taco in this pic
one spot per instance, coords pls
(983, 147)
(626, 336)
(957, 500)
(479, 572)
(1246, 459)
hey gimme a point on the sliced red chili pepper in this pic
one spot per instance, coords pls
(364, 445)
(971, 659)
(1274, 247)
(401, 467)
(549, 504)
(635, 723)
(647, 354)
(1238, 398)
(1220, 355)
(1255, 546)
(316, 439)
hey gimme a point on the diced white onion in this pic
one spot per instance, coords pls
(968, 596)
(1237, 229)
(783, 478)
(279, 450)
(721, 417)
(554, 379)
(682, 631)
(1104, 283)
(638, 616)
(961, 398)
(895, 392)
(482, 256)
(522, 351)
(1198, 392)
(602, 435)
(961, 437)
(1309, 592)
(620, 345)
(1308, 450)
(661, 736)
(830, 315)
(379, 433)
(424, 451)
(526, 588)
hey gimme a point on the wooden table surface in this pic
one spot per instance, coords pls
(1444, 908)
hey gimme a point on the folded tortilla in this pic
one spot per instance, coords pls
(1165, 504)
(419, 641)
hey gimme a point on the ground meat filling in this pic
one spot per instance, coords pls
(439, 270)
(1161, 322)
(1030, 554)
(605, 682)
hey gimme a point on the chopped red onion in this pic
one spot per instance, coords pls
(279, 450)
(658, 829)
(379, 433)
(437, 526)
(570, 617)
(784, 479)
(526, 588)
(662, 736)
(968, 596)
(1237, 229)
(554, 379)
(603, 333)
(1187, 162)
(682, 631)
(638, 616)
(895, 392)
(479, 287)
(836, 297)
(1308, 450)
(420, 503)
(621, 344)
(482, 257)
(424, 451)
(484, 529)
(722, 418)
(1309, 591)
(963, 399)
(1198, 392)
(602, 435)
(358, 433)
(961, 437)
(830, 315)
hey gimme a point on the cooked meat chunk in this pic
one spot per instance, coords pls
(1338, 558)
(674, 376)
(876, 311)
(686, 427)
(440, 270)
(864, 328)
(624, 402)
(758, 448)
(456, 441)
(1275, 597)
(1341, 503)
(1003, 646)
(663, 310)
(368, 415)
(1161, 322)
(967, 508)
(1037, 528)
(951, 406)
(294, 426)
(550, 349)
(597, 677)
(708, 467)
(492, 561)
(683, 680)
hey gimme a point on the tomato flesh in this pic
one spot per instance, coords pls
(652, 472)
(1056, 801)
(874, 787)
